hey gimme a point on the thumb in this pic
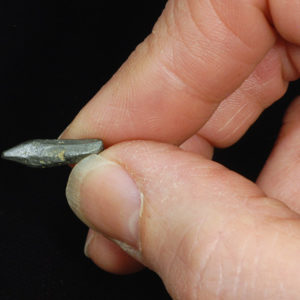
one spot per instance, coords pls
(207, 231)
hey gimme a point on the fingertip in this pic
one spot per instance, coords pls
(109, 256)
(285, 15)
(280, 175)
(292, 113)
(199, 145)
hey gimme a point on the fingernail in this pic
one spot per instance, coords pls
(88, 240)
(105, 197)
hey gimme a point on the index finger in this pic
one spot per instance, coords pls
(199, 52)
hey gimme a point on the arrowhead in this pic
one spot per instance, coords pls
(51, 153)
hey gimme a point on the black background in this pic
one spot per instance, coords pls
(55, 56)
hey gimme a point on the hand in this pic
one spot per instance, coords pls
(198, 81)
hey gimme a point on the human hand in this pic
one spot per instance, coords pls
(198, 81)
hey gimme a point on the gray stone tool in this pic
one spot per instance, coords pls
(52, 153)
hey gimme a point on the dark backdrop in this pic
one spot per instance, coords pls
(57, 54)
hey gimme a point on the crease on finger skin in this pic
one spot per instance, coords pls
(227, 26)
(240, 110)
(185, 265)
(240, 263)
(201, 278)
(178, 267)
(235, 116)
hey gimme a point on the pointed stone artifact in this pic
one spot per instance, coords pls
(52, 153)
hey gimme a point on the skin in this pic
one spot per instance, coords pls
(201, 78)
